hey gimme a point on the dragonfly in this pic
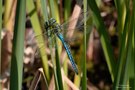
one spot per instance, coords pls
(56, 28)
(52, 28)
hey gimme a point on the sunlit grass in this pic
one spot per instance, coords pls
(38, 31)
(18, 49)
(121, 70)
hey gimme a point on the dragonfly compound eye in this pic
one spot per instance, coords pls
(52, 21)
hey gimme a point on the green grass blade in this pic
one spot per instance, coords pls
(67, 9)
(58, 76)
(44, 9)
(37, 29)
(45, 15)
(132, 63)
(122, 74)
(127, 77)
(84, 70)
(58, 69)
(126, 63)
(122, 55)
(7, 12)
(132, 71)
(121, 10)
(54, 10)
(110, 59)
(133, 51)
(18, 47)
(126, 67)
(133, 57)
(129, 55)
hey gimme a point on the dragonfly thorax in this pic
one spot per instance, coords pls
(52, 27)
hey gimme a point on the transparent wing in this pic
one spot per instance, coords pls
(67, 27)
(47, 42)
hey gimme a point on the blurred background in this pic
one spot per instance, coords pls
(38, 72)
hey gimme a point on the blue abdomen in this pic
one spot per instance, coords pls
(60, 36)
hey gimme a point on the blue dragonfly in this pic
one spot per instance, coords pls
(52, 28)
(56, 28)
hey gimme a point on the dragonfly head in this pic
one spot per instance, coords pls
(49, 23)
(52, 21)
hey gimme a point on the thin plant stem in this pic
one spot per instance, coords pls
(84, 70)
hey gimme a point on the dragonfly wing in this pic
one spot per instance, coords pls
(67, 26)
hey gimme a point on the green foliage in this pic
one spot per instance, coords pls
(125, 54)
(84, 70)
(121, 70)
(120, 74)
(110, 59)
(38, 31)
(18, 49)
